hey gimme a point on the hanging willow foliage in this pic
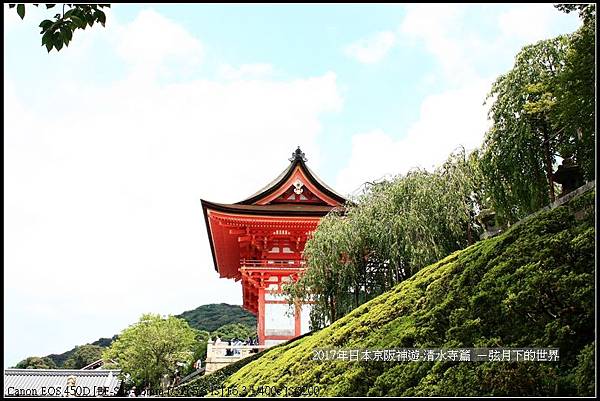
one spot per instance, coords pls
(542, 109)
(521, 147)
(387, 234)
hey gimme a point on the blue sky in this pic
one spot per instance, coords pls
(110, 144)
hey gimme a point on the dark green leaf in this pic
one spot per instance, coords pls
(47, 37)
(56, 38)
(101, 17)
(89, 18)
(78, 21)
(50, 5)
(49, 46)
(45, 24)
(64, 34)
(58, 43)
(21, 10)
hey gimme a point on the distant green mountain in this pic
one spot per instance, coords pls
(60, 359)
(205, 317)
(211, 317)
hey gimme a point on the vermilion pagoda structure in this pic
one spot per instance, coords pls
(260, 242)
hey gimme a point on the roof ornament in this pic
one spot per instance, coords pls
(298, 155)
(298, 187)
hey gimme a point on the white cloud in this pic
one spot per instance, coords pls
(151, 43)
(431, 20)
(528, 22)
(446, 121)
(102, 199)
(475, 41)
(245, 71)
(438, 27)
(373, 49)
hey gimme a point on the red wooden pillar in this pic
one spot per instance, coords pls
(261, 316)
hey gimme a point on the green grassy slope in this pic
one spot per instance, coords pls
(531, 286)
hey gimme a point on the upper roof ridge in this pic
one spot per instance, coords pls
(298, 154)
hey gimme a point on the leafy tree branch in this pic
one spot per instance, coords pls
(58, 31)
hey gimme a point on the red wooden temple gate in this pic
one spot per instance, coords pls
(260, 242)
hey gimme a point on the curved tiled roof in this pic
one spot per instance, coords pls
(297, 159)
(40, 382)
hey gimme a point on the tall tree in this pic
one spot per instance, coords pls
(520, 149)
(151, 348)
(543, 108)
(576, 102)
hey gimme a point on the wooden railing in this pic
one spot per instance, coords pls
(294, 263)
